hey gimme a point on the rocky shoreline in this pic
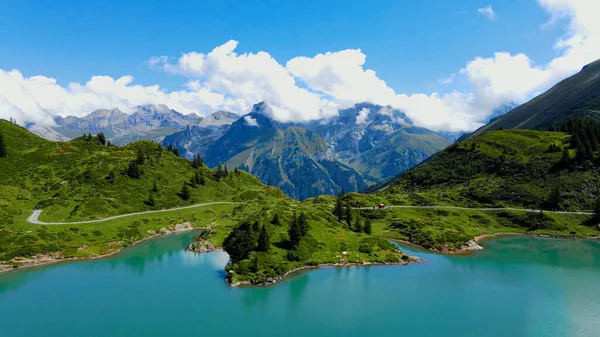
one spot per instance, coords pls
(474, 244)
(280, 278)
(18, 263)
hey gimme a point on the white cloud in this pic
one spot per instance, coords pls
(308, 88)
(363, 114)
(251, 121)
(37, 99)
(251, 78)
(488, 12)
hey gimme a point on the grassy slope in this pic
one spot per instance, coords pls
(67, 180)
(510, 168)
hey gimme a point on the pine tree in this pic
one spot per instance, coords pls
(150, 201)
(170, 147)
(89, 136)
(3, 152)
(110, 177)
(597, 207)
(303, 223)
(159, 147)
(348, 213)
(101, 138)
(236, 171)
(133, 171)
(275, 220)
(176, 152)
(225, 172)
(193, 181)
(154, 187)
(357, 225)
(566, 157)
(140, 156)
(199, 177)
(555, 198)
(185, 192)
(294, 231)
(338, 210)
(367, 227)
(108, 143)
(263, 240)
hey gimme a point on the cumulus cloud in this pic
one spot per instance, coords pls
(363, 114)
(307, 88)
(488, 12)
(251, 121)
(38, 99)
(251, 78)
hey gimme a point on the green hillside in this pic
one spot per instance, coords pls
(84, 180)
(576, 96)
(519, 169)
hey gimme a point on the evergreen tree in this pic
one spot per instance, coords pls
(154, 187)
(134, 171)
(555, 198)
(357, 224)
(275, 220)
(367, 228)
(108, 143)
(150, 201)
(140, 156)
(240, 242)
(295, 232)
(225, 172)
(338, 210)
(263, 240)
(199, 177)
(303, 223)
(176, 152)
(185, 192)
(89, 136)
(566, 157)
(597, 207)
(170, 147)
(236, 171)
(3, 152)
(101, 138)
(159, 147)
(348, 213)
(193, 181)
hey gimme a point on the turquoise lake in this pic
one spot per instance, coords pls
(517, 286)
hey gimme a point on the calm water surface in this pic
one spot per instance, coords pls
(517, 286)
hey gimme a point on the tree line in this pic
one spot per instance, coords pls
(344, 213)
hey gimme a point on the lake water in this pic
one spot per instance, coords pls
(517, 286)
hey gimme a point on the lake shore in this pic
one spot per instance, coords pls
(468, 249)
(291, 272)
(55, 258)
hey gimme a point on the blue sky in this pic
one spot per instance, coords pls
(411, 45)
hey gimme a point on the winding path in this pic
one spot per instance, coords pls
(483, 209)
(33, 218)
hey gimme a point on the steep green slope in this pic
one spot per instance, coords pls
(575, 96)
(81, 179)
(503, 170)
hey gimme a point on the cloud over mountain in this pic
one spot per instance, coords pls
(307, 88)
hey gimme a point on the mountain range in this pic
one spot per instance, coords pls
(363, 145)
(151, 122)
